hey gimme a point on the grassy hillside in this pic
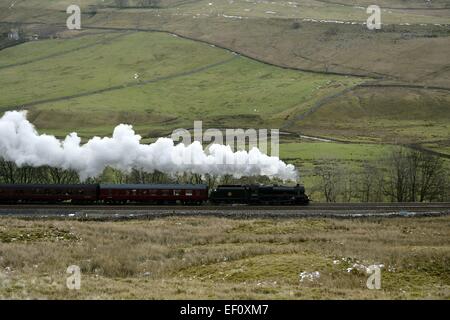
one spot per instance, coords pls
(383, 115)
(108, 73)
(412, 46)
(155, 81)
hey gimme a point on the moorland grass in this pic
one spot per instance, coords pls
(206, 257)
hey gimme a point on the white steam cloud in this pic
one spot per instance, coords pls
(21, 144)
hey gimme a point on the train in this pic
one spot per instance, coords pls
(158, 194)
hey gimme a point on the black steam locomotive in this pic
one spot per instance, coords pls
(260, 195)
(159, 194)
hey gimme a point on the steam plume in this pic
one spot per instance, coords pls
(21, 144)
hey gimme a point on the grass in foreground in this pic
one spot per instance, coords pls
(194, 257)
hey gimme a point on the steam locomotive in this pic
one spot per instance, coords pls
(160, 194)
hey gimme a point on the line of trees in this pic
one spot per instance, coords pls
(12, 174)
(404, 175)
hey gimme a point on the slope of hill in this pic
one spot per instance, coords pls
(410, 54)
(394, 115)
(311, 35)
(155, 81)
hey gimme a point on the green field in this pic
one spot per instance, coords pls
(178, 81)
(316, 151)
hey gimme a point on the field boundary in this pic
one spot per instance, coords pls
(375, 76)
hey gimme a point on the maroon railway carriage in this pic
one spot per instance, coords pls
(48, 193)
(154, 193)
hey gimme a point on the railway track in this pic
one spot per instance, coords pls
(315, 206)
(335, 210)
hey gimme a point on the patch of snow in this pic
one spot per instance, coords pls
(310, 276)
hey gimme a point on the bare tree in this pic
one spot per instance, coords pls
(61, 176)
(212, 180)
(396, 183)
(140, 176)
(413, 175)
(329, 180)
(7, 171)
(348, 185)
(432, 176)
(371, 184)
(11, 173)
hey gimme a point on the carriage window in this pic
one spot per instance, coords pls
(189, 193)
(176, 192)
(165, 192)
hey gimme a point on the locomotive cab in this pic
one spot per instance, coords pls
(301, 197)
